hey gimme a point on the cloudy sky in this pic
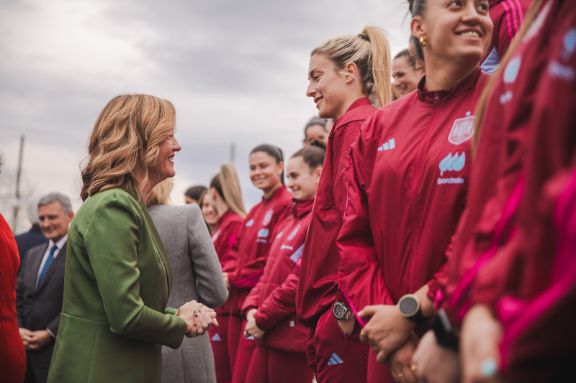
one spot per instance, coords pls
(235, 70)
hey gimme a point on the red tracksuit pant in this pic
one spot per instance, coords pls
(243, 355)
(269, 365)
(219, 342)
(234, 334)
(338, 358)
(378, 372)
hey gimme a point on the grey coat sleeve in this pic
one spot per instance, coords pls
(211, 289)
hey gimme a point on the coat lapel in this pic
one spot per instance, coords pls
(159, 247)
(36, 260)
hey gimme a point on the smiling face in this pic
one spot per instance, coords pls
(405, 77)
(455, 30)
(302, 181)
(208, 210)
(315, 133)
(164, 165)
(265, 171)
(327, 86)
(54, 221)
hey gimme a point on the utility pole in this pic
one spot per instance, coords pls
(18, 178)
(232, 153)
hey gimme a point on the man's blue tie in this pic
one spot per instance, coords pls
(47, 265)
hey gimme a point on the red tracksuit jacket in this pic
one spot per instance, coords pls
(318, 280)
(407, 183)
(501, 152)
(507, 17)
(225, 239)
(274, 298)
(536, 299)
(529, 280)
(254, 243)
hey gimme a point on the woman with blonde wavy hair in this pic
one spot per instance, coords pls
(114, 315)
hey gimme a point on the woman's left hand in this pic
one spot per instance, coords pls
(434, 363)
(401, 362)
(386, 330)
(479, 340)
(198, 317)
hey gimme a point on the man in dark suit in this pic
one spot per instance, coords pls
(34, 236)
(40, 286)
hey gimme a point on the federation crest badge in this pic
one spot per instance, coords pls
(462, 130)
(268, 217)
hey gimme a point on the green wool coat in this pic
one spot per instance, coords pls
(116, 285)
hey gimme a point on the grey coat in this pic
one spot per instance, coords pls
(196, 274)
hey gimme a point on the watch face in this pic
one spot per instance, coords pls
(339, 310)
(408, 306)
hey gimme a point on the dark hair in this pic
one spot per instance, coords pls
(315, 121)
(416, 8)
(313, 154)
(272, 151)
(195, 192)
(409, 58)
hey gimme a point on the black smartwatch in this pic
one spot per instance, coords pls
(409, 306)
(341, 311)
(446, 335)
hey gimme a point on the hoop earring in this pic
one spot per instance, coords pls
(422, 41)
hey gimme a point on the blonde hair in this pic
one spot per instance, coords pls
(529, 18)
(370, 51)
(125, 139)
(160, 194)
(227, 185)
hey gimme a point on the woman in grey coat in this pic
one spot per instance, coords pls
(196, 274)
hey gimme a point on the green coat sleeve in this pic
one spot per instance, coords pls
(111, 241)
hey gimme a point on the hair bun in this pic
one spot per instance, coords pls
(318, 144)
(364, 36)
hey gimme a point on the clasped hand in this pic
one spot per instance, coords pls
(35, 340)
(198, 318)
(252, 328)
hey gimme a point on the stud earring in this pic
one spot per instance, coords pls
(423, 41)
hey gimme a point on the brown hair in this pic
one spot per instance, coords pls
(313, 154)
(416, 8)
(227, 185)
(126, 138)
(370, 51)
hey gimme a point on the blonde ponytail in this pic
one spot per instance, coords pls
(370, 51)
(381, 88)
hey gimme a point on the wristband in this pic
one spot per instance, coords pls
(445, 334)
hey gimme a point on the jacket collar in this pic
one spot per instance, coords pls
(437, 97)
(229, 214)
(301, 207)
(276, 194)
(347, 116)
